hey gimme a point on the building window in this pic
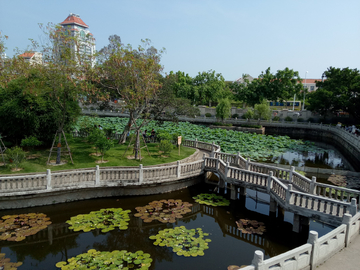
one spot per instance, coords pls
(312, 88)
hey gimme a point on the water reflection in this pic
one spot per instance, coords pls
(228, 246)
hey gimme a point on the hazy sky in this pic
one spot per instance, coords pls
(230, 37)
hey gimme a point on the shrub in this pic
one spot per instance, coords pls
(165, 146)
(249, 114)
(103, 144)
(288, 119)
(208, 114)
(276, 118)
(312, 120)
(222, 124)
(301, 119)
(235, 115)
(30, 142)
(163, 135)
(15, 155)
(223, 109)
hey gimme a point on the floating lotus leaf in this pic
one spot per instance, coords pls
(117, 259)
(250, 226)
(6, 264)
(183, 242)
(165, 211)
(104, 219)
(211, 199)
(17, 227)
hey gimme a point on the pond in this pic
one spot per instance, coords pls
(325, 156)
(228, 246)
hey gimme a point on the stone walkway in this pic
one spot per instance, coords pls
(348, 258)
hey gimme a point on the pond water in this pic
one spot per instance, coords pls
(326, 157)
(229, 246)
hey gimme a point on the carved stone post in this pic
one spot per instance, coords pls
(347, 221)
(48, 179)
(292, 169)
(353, 207)
(179, 169)
(247, 163)
(313, 240)
(141, 174)
(313, 185)
(258, 260)
(97, 176)
(269, 182)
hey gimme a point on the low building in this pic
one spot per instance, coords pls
(32, 57)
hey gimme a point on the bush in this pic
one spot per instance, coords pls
(249, 114)
(30, 142)
(276, 118)
(222, 124)
(288, 119)
(208, 114)
(15, 155)
(163, 135)
(301, 119)
(165, 146)
(312, 120)
(235, 115)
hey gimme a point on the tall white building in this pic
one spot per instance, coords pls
(75, 26)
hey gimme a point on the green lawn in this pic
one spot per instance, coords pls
(81, 151)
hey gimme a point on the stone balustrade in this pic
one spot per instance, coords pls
(315, 252)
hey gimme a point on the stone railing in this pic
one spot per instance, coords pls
(330, 210)
(299, 182)
(315, 252)
(97, 177)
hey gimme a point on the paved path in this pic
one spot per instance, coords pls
(348, 258)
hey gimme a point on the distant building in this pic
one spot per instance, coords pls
(75, 26)
(32, 57)
(242, 79)
(310, 84)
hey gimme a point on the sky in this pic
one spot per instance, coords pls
(232, 37)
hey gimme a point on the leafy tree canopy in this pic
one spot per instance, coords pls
(339, 92)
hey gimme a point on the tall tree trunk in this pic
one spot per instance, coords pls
(127, 128)
(137, 144)
(58, 154)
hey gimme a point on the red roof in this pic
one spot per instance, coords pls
(27, 55)
(74, 19)
(311, 81)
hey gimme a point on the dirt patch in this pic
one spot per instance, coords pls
(338, 180)
(2, 164)
(95, 154)
(164, 156)
(16, 170)
(53, 163)
(101, 161)
(133, 157)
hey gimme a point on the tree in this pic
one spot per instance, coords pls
(280, 86)
(262, 111)
(64, 76)
(223, 109)
(339, 92)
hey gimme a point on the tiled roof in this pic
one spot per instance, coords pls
(72, 19)
(311, 81)
(27, 55)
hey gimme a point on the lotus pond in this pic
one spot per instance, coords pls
(189, 234)
(263, 148)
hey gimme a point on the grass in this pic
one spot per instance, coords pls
(81, 151)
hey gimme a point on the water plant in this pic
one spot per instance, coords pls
(117, 259)
(104, 219)
(250, 226)
(183, 242)
(165, 211)
(18, 227)
(5, 263)
(211, 199)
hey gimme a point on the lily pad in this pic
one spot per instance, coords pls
(164, 211)
(6, 264)
(211, 199)
(18, 227)
(183, 242)
(104, 219)
(117, 259)
(247, 226)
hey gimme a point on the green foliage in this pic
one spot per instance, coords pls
(164, 135)
(103, 260)
(5, 262)
(15, 155)
(223, 109)
(251, 126)
(300, 119)
(339, 92)
(235, 115)
(104, 219)
(103, 144)
(208, 114)
(276, 118)
(165, 211)
(222, 124)
(183, 242)
(31, 141)
(262, 111)
(165, 146)
(249, 114)
(288, 119)
(211, 199)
